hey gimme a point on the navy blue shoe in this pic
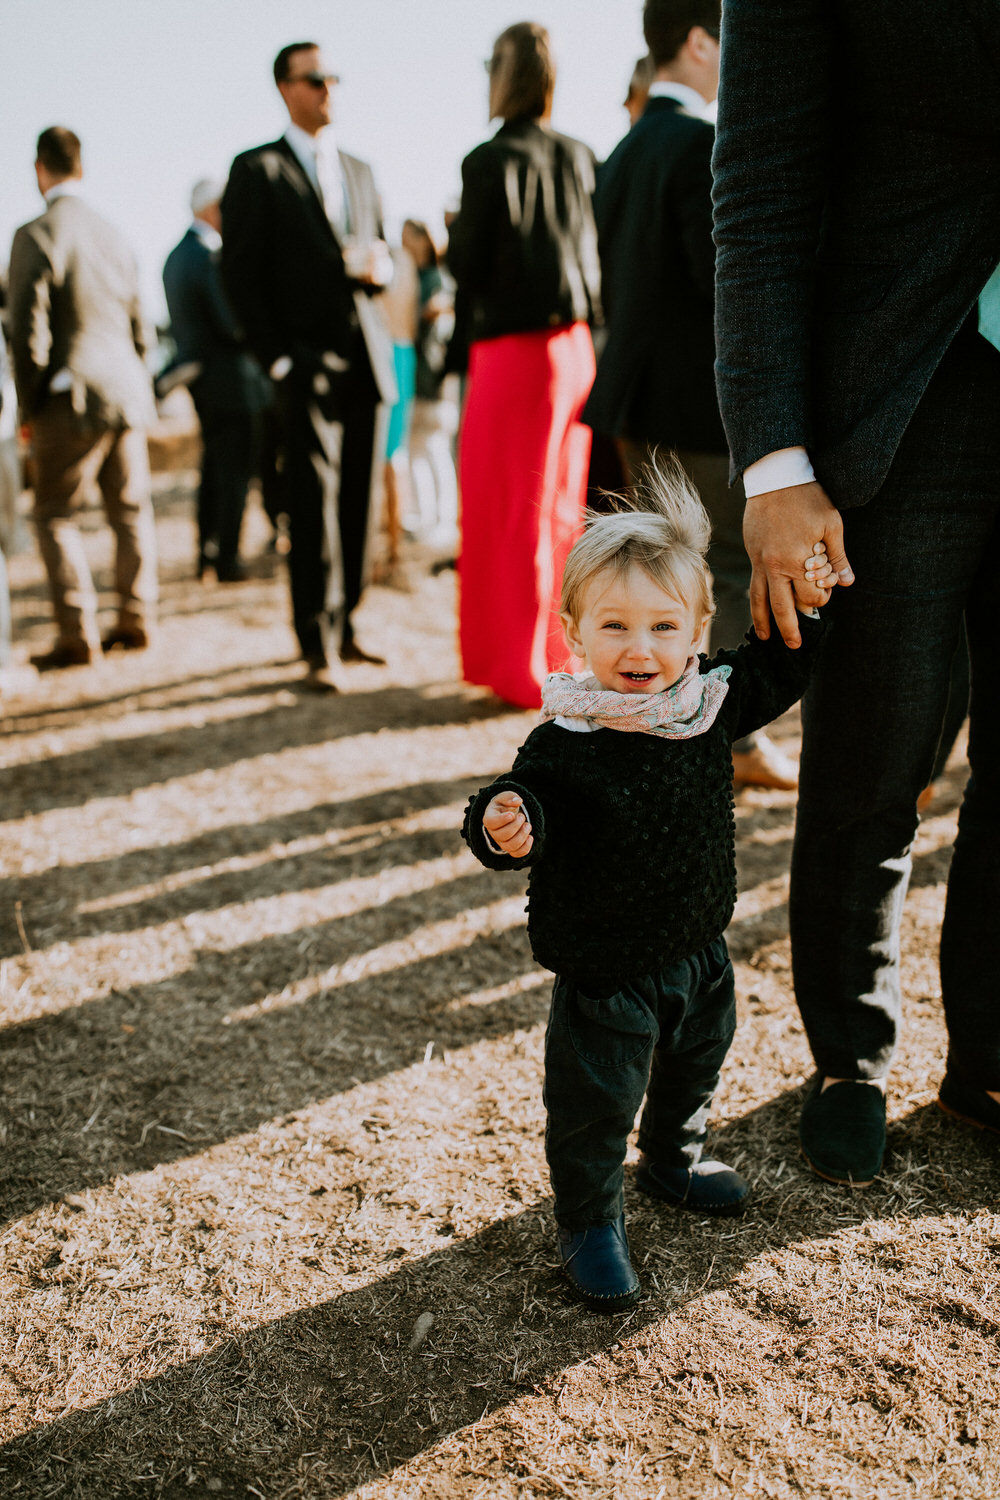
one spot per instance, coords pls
(971, 1105)
(597, 1264)
(709, 1188)
(842, 1131)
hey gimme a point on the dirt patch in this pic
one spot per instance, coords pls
(275, 1212)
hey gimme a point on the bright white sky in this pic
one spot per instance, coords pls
(162, 92)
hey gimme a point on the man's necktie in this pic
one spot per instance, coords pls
(333, 192)
(989, 310)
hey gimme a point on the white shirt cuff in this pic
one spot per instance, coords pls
(778, 471)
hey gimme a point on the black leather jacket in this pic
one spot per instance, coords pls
(523, 249)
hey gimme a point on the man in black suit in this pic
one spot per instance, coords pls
(655, 384)
(226, 383)
(302, 253)
(858, 224)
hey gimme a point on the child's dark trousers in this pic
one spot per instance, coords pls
(664, 1036)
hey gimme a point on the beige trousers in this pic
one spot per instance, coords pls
(69, 461)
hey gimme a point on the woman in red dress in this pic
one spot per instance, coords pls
(523, 251)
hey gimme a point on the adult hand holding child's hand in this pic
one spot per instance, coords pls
(506, 823)
(780, 529)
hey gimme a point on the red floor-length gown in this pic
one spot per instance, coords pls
(523, 461)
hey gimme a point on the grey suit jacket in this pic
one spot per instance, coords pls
(857, 219)
(74, 304)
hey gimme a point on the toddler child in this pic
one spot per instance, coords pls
(629, 838)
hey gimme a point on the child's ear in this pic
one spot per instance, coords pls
(702, 640)
(572, 635)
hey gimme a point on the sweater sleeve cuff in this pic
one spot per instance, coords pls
(482, 845)
(778, 471)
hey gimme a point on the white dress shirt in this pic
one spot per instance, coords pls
(665, 88)
(211, 238)
(320, 160)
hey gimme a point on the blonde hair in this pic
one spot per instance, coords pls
(660, 526)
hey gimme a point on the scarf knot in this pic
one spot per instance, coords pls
(681, 712)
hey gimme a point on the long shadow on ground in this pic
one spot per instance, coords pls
(169, 1070)
(335, 1395)
(50, 899)
(121, 767)
(49, 718)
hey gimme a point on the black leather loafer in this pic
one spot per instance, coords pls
(842, 1131)
(963, 1102)
(596, 1262)
(709, 1188)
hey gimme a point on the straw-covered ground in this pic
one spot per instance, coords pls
(275, 1212)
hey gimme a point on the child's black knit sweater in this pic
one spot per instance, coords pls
(633, 864)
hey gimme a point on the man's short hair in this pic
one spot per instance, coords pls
(58, 151)
(282, 63)
(523, 70)
(666, 24)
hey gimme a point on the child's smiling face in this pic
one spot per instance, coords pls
(634, 636)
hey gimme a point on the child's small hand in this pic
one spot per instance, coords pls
(506, 823)
(818, 569)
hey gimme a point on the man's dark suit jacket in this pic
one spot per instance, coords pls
(283, 270)
(857, 188)
(655, 378)
(205, 330)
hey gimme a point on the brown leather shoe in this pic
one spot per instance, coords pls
(127, 638)
(64, 654)
(765, 765)
(351, 652)
(323, 677)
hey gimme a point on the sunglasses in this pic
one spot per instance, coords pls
(317, 80)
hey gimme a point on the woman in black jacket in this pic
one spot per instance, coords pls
(523, 252)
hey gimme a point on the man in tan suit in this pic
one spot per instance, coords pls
(77, 345)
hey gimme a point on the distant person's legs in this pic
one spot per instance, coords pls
(269, 466)
(228, 437)
(67, 459)
(329, 455)
(358, 515)
(125, 487)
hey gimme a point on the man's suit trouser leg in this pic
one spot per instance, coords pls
(208, 487)
(67, 459)
(312, 441)
(125, 489)
(237, 461)
(969, 983)
(922, 552)
(364, 435)
(227, 463)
